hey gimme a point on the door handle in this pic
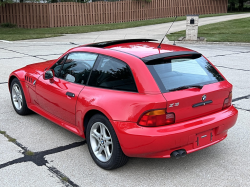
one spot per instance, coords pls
(70, 94)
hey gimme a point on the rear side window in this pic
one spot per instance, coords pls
(180, 72)
(113, 74)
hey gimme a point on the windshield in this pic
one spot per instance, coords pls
(173, 74)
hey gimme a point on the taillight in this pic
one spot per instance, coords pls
(157, 118)
(228, 101)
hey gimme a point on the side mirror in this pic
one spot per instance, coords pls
(49, 74)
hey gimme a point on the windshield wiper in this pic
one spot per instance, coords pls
(186, 87)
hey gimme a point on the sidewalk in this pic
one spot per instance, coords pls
(151, 31)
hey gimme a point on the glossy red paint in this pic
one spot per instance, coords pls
(143, 78)
(117, 105)
(143, 49)
(217, 92)
(160, 142)
(124, 109)
(52, 98)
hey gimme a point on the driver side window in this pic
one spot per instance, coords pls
(57, 66)
(77, 66)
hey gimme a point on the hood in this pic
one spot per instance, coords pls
(40, 67)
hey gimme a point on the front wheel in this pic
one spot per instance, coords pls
(17, 98)
(103, 143)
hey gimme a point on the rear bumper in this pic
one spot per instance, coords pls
(160, 142)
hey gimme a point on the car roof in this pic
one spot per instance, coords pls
(140, 48)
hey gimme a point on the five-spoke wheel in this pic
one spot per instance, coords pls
(103, 143)
(17, 98)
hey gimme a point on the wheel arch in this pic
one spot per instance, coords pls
(118, 158)
(20, 76)
(24, 110)
(11, 79)
(88, 116)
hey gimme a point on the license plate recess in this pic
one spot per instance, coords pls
(204, 138)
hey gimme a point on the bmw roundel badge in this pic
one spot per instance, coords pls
(203, 98)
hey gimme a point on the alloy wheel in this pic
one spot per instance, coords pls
(101, 142)
(17, 97)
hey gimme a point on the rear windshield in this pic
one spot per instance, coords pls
(171, 74)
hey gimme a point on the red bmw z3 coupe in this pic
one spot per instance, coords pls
(130, 98)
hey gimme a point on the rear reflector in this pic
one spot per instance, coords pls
(170, 118)
(157, 118)
(228, 101)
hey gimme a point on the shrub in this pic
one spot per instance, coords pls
(8, 25)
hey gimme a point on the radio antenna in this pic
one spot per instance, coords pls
(159, 46)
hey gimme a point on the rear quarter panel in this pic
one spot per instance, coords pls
(116, 105)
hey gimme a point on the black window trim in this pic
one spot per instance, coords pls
(52, 67)
(96, 65)
(97, 61)
(67, 58)
(157, 79)
(161, 85)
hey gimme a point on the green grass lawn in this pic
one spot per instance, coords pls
(229, 31)
(12, 34)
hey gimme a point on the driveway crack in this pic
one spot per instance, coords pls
(232, 68)
(230, 54)
(36, 56)
(38, 158)
(240, 98)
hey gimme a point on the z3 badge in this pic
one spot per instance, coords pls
(174, 104)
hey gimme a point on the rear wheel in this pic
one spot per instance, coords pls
(103, 143)
(17, 98)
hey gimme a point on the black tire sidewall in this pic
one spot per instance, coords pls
(110, 164)
(24, 110)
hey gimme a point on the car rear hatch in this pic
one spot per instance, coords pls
(191, 86)
(190, 103)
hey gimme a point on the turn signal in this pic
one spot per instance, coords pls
(228, 101)
(157, 118)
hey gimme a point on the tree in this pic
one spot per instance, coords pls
(233, 3)
(2, 2)
(241, 4)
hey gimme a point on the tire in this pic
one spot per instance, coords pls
(103, 143)
(17, 98)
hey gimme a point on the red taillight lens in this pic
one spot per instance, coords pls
(228, 101)
(157, 118)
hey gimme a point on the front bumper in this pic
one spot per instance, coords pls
(160, 142)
